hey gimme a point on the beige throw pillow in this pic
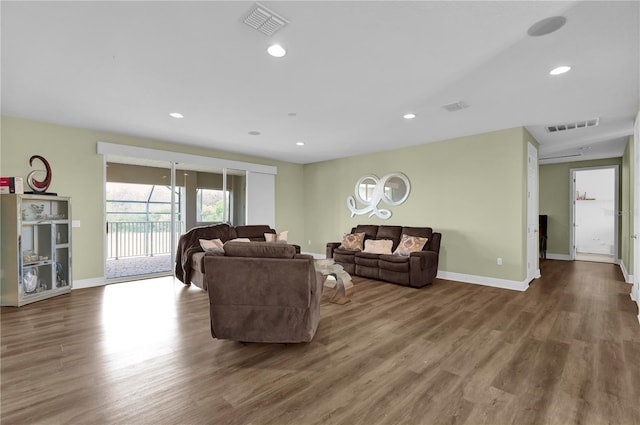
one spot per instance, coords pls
(352, 241)
(409, 244)
(240, 240)
(280, 237)
(381, 246)
(213, 245)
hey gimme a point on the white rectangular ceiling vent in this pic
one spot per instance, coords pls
(455, 106)
(573, 125)
(264, 20)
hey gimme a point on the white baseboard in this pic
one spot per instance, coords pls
(627, 277)
(635, 297)
(486, 281)
(88, 283)
(563, 257)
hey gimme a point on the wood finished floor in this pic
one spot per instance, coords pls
(566, 351)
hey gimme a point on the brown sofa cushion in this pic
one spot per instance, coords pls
(254, 232)
(390, 232)
(395, 263)
(370, 231)
(259, 249)
(367, 258)
(197, 259)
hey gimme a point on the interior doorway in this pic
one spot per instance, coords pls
(595, 202)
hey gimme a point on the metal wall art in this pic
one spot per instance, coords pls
(392, 189)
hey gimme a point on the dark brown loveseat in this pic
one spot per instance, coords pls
(190, 265)
(417, 270)
(263, 292)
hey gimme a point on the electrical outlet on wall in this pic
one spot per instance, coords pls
(309, 242)
(499, 261)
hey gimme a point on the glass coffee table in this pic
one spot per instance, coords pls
(336, 279)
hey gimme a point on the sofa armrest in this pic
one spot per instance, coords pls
(183, 270)
(424, 259)
(423, 268)
(331, 246)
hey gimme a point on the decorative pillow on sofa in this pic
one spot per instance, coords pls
(280, 237)
(409, 244)
(352, 241)
(213, 245)
(379, 246)
(240, 240)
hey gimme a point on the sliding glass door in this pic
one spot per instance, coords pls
(153, 196)
(140, 220)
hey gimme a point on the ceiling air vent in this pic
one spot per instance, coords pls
(264, 20)
(573, 125)
(455, 106)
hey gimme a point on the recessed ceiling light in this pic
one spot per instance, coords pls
(276, 50)
(176, 115)
(254, 133)
(300, 143)
(559, 70)
(409, 116)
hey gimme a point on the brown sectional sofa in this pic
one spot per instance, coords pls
(190, 265)
(417, 270)
(263, 292)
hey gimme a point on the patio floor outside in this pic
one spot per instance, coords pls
(136, 266)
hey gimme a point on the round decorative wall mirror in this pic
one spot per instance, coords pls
(392, 189)
(365, 188)
(396, 189)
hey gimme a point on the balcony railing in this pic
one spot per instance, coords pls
(139, 238)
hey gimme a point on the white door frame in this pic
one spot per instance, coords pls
(533, 261)
(635, 291)
(572, 209)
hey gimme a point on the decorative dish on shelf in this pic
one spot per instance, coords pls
(30, 280)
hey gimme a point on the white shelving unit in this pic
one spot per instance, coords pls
(36, 248)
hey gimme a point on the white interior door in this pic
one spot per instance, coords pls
(533, 270)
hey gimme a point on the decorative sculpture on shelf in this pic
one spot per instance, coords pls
(393, 189)
(36, 185)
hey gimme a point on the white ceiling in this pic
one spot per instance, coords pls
(352, 70)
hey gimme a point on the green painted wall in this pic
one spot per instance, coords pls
(555, 200)
(78, 173)
(472, 189)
